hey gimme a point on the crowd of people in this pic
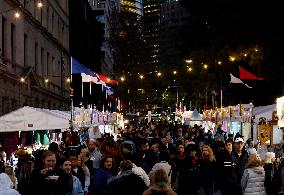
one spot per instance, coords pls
(147, 159)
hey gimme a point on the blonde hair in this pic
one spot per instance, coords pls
(87, 152)
(211, 155)
(268, 157)
(254, 161)
(160, 178)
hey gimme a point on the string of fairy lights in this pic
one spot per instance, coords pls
(190, 65)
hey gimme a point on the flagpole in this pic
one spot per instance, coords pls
(221, 97)
(71, 72)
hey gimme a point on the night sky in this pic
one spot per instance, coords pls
(223, 28)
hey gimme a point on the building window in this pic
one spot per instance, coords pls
(13, 41)
(25, 49)
(47, 64)
(3, 37)
(36, 58)
(47, 18)
(42, 61)
(41, 12)
(52, 22)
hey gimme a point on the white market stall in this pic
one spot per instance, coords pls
(31, 119)
(192, 117)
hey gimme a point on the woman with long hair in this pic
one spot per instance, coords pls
(68, 183)
(207, 171)
(254, 176)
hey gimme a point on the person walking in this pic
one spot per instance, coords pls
(227, 173)
(269, 169)
(102, 175)
(6, 185)
(253, 178)
(68, 183)
(207, 171)
(160, 184)
(127, 182)
(41, 181)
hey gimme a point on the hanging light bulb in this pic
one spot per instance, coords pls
(17, 14)
(39, 4)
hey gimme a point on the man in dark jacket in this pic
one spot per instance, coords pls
(127, 182)
(228, 181)
(242, 158)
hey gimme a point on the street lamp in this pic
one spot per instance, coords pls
(39, 4)
(188, 61)
(68, 80)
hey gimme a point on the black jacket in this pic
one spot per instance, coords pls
(43, 186)
(241, 164)
(127, 183)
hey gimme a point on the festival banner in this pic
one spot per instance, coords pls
(264, 132)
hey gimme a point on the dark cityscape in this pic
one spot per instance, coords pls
(141, 97)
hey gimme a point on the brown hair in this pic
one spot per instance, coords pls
(126, 165)
(254, 161)
(104, 159)
(47, 153)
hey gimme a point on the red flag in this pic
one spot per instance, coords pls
(106, 79)
(246, 75)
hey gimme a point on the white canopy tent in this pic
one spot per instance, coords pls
(192, 117)
(30, 119)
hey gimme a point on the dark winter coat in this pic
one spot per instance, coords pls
(43, 186)
(228, 180)
(241, 164)
(100, 181)
(127, 183)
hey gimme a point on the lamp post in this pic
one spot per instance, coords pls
(177, 97)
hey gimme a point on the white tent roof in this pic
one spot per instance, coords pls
(30, 119)
(264, 111)
(192, 115)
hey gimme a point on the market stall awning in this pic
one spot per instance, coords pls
(30, 119)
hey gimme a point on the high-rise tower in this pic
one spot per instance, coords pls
(134, 6)
(152, 30)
